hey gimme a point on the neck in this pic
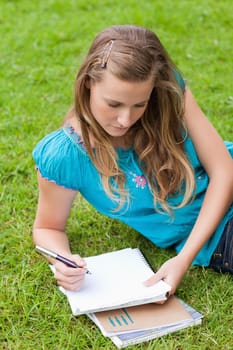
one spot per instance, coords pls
(122, 141)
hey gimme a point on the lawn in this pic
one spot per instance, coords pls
(42, 44)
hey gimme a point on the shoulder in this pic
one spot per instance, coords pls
(180, 80)
(58, 157)
(208, 144)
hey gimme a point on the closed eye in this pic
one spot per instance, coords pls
(141, 105)
(116, 105)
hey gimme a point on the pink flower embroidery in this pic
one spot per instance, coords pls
(140, 181)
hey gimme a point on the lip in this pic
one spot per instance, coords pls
(119, 128)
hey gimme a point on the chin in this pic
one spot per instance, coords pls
(118, 131)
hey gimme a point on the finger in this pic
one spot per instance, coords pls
(161, 302)
(62, 269)
(79, 261)
(76, 286)
(70, 282)
(153, 279)
(171, 292)
(68, 279)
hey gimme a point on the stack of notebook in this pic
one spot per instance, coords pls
(133, 325)
(116, 300)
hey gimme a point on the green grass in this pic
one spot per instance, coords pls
(42, 43)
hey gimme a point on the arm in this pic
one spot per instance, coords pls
(53, 209)
(219, 195)
(219, 166)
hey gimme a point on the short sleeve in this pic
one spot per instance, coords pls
(229, 146)
(180, 80)
(57, 159)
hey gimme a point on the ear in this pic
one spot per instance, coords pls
(88, 83)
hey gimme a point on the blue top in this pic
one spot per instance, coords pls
(61, 157)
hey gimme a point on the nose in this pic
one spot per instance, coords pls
(125, 118)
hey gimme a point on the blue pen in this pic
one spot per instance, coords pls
(58, 257)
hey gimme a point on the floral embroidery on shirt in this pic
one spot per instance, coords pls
(75, 137)
(140, 180)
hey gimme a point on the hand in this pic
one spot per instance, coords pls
(68, 277)
(171, 272)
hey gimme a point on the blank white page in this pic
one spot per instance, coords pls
(116, 280)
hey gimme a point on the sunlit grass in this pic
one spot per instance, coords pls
(41, 46)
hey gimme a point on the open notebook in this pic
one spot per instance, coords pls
(116, 280)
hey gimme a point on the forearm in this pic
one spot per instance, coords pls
(53, 209)
(218, 198)
(53, 240)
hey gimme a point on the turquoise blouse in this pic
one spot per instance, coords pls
(61, 157)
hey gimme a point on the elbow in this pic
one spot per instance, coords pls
(34, 235)
(35, 232)
(222, 178)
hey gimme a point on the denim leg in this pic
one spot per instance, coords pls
(222, 259)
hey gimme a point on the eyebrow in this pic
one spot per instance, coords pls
(119, 102)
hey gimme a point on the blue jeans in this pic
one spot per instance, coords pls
(222, 259)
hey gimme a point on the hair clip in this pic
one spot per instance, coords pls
(106, 53)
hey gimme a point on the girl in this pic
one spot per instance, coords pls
(137, 146)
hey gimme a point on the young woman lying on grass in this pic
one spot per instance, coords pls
(138, 147)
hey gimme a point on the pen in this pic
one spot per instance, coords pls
(66, 261)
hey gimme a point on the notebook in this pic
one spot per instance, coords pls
(141, 317)
(116, 281)
(133, 325)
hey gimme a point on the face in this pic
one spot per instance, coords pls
(117, 104)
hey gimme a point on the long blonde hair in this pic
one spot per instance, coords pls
(135, 54)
